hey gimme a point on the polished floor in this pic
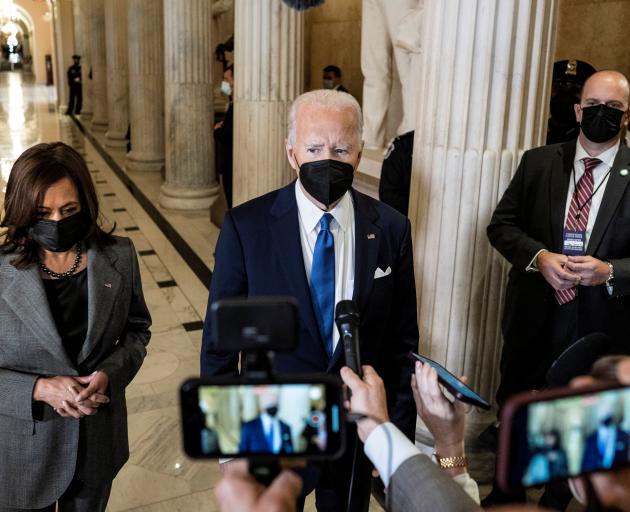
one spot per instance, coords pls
(158, 476)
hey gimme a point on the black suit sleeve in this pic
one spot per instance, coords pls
(404, 338)
(228, 280)
(506, 231)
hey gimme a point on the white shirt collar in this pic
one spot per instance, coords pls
(311, 214)
(607, 157)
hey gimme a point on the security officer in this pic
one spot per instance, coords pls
(395, 181)
(568, 79)
(74, 82)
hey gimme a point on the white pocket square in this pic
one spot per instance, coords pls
(378, 273)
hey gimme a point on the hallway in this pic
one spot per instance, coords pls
(158, 476)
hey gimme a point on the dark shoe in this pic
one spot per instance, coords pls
(498, 497)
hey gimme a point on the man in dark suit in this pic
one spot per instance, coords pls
(320, 241)
(266, 433)
(74, 83)
(568, 239)
(332, 78)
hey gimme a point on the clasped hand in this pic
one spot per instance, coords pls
(73, 397)
(563, 272)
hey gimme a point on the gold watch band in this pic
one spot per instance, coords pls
(451, 462)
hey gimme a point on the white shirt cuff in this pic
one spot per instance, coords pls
(532, 264)
(469, 485)
(387, 457)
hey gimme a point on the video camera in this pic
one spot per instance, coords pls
(259, 414)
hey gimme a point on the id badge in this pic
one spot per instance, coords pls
(573, 243)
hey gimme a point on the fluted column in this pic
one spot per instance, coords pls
(190, 174)
(99, 66)
(83, 43)
(268, 75)
(146, 84)
(117, 72)
(483, 94)
(64, 47)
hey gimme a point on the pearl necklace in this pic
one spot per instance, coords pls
(70, 271)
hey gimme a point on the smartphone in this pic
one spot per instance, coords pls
(563, 433)
(255, 323)
(454, 386)
(289, 417)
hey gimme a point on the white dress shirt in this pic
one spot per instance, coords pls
(342, 229)
(600, 177)
(267, 422)
(388, 457)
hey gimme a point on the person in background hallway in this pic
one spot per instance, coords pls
(74, 83)
(563, 225)
(321, 241)
(332, 78)
(223, 136)
(74, 333)
(395, 182)
(568, 79)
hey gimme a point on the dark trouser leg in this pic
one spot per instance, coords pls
(81, 498)
(71, 101)
(49, 508)
(79, 94)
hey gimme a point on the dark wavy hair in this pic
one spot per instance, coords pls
(32, 174)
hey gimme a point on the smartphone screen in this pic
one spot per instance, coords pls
(245, 420)
(455, 386)
(568, 436)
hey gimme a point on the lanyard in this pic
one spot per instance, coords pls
(588, 199)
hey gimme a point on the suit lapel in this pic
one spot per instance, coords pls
(26, 296)
(367, 236)
(104, 283)
(287, 246)
(559, 189)
(615, 189)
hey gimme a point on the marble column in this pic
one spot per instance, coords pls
(83, 46)
(268, 75)
(61, 59)
(191, 182)
(117, 73)
(145, 21)
(99, 66)
(483, 95)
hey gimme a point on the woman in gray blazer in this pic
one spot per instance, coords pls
(73, 333)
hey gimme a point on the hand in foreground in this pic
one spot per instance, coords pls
(612, 487)
(445, 420)
(95, 385)
(368, 397)
(591, 270)
(61, 394)
(238, 491)
(553, 268)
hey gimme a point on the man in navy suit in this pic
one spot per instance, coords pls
(282, 243)
(266, 433)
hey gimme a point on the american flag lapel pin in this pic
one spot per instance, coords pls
(371, 236)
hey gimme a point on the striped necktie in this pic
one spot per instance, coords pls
(577, 219)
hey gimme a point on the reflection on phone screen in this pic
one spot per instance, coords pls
(570, 436)
(264, 419)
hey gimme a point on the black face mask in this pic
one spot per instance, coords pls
(601, 123)
(272, 411)
(326, 180)
(60, 236)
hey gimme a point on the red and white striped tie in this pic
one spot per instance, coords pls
(577, 219)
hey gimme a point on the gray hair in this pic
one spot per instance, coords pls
(329, 99)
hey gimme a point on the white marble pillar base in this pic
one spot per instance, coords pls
(143, 162)
(176, 198)
(115, 140)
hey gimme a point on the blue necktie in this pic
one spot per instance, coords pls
(270, 436)
(323, 281)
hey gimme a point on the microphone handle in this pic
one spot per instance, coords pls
(351, 351)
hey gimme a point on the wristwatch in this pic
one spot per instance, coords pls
(611, 276)
(451, 462)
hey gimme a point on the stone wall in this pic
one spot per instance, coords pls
(596, 31)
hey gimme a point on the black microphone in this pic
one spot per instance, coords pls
(347, 320)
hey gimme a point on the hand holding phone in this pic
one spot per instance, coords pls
(455, 386)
